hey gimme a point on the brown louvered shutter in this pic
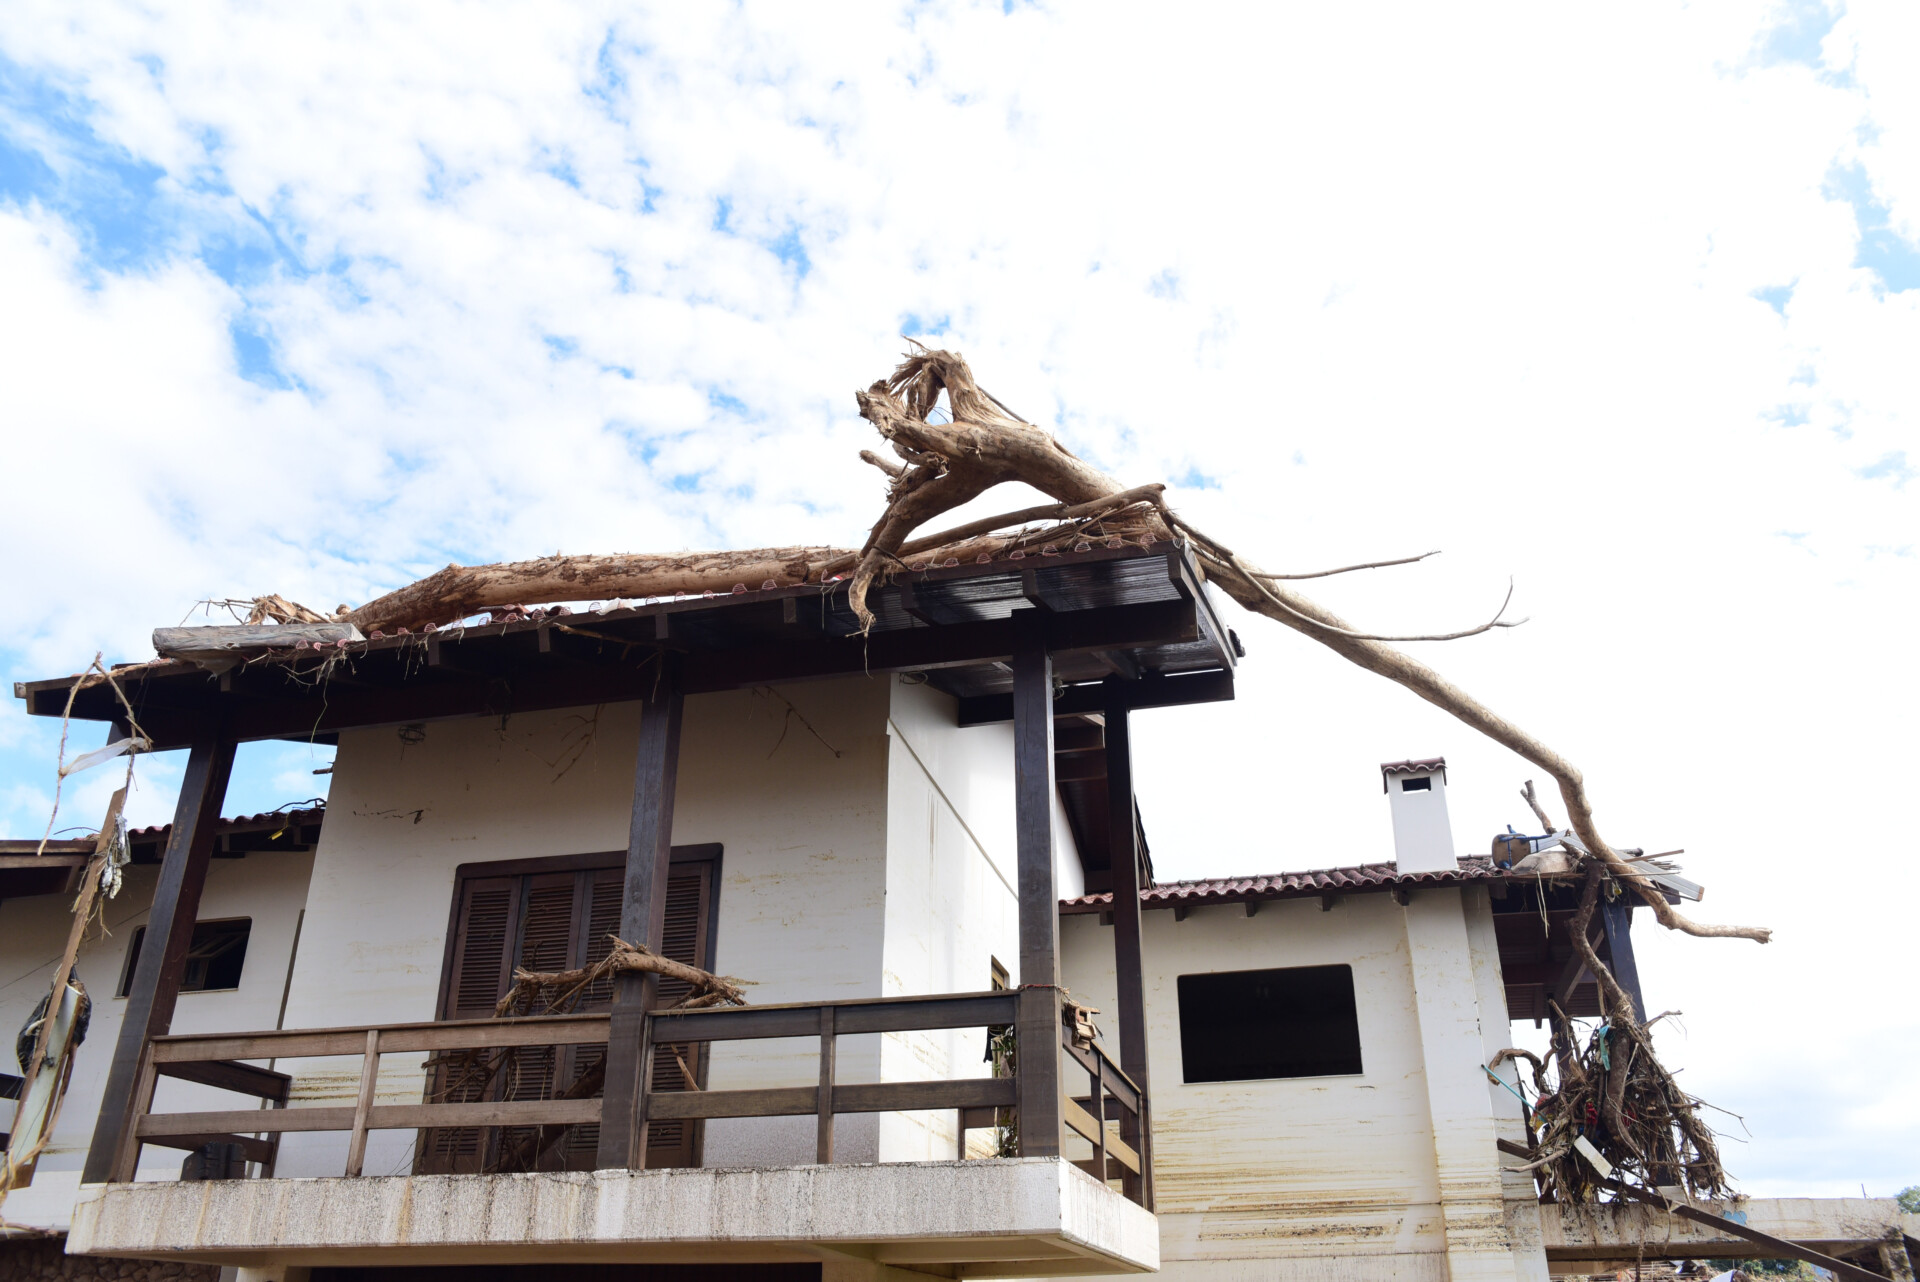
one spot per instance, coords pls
(689, 894)
(548, 922)
(489, 909)
(603, 893)
(546, 944)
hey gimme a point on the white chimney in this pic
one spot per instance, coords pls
(1417, 796)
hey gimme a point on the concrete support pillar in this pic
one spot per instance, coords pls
(1454, 1019)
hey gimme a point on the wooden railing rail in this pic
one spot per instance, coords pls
(215, 1059)
(1112, 1097)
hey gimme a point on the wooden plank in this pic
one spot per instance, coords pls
(228, 1075)
(1616, 926)
(1099, 1115)
(163, 957)
(1081, 699)
(382, 1117)
(28, 863)
(1125, 1093)
(876, 1015)
(462, 1034)
(172, 642)
(363, 1104)
(257, 1150)
(1123, 1153)
(1575, 970)
(1038, 1024)
(903, 1097)
(1079, 1121)
(951, 645)
(823, 1128)
(776, 1101)
(126, 1153)
(872, 1097)
(643, 917)
(1129, 966)
(915, 1014)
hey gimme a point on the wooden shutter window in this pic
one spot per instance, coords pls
(689, 897)
(558, 921)
(487, 917)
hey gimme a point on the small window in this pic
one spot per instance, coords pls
(1249, 1025)
(214, 958)
(1416, 785)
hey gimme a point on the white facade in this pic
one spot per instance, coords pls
(268, 888)
(868, 851)
(1388, 1173)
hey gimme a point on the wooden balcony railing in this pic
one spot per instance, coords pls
(214, 1059)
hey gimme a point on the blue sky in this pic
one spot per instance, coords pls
(315, 306)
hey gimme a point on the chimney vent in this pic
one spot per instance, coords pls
(1417, 797)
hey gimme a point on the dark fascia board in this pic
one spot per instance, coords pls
(181, 701)
(199, 708)
(1151, 691)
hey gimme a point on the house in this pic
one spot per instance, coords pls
(920, 849)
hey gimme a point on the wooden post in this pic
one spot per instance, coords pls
(823, 1134)
(163, 954)
(1616, 920)
(643, 916)
(363, 1104)
(1038, 1038)
(1099, 1111)
(1128, 967)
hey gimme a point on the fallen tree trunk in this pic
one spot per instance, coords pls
(943, 466)
(460, 590)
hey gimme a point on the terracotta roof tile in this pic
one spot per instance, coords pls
(1356, 879)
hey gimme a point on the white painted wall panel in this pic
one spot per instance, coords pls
(270, 889)
(792, 783)
(950, 901)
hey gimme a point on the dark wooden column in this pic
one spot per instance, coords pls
(1124, 860)
(1038, 1042)
(1616, 919)
(163, 950)
(643, 915)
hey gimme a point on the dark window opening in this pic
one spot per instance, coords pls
(214, 956)
(1416, 785)
(1249, 1025)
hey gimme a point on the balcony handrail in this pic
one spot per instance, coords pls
(215, 1059)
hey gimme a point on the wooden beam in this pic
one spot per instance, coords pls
(28, 863)
(1575, 970)
(1128, 959)
(1080, 699)
(823, 1124)
(231, 1075)
(1033, 785)
(163, 956)
(1616, 923)
(643, 917)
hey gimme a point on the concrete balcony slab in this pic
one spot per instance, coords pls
(1019, 1217)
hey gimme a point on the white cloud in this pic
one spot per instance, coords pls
(1490, 273)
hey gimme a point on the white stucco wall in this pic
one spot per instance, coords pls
(951, 910)
(1328, 1177)
(268, 888)
(801, 887)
